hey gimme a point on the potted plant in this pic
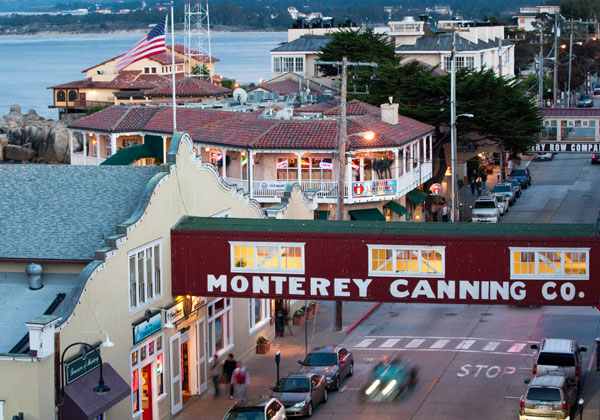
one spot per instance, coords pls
(314, 307)
(298, 317)
(262, 345)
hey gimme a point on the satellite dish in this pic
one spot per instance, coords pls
(240, 95)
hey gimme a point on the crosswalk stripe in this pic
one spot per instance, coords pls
(415, 343)
(517, 347)
(439, 344)
(491, 346)
(390, 342)
(465, 344)
(365, 343)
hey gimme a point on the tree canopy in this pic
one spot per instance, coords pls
(503, 113)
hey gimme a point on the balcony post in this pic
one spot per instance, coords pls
(251, 173)
(348, 178)
(224, 165)
(86, 138)
(299, 177)
(113, 144)
(397, 166)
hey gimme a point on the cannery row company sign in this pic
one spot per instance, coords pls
(566, 147)
(388, 262)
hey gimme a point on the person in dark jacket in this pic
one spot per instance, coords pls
(228, 367)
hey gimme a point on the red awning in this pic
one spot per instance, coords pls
(81, 402)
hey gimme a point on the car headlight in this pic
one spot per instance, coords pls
(299, 404)
(329, 378)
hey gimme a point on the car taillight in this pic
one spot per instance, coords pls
(535, 370)
(522, 403)
(577, 372)
(564, 405)
(593, 156)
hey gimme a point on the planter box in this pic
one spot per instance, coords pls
(299, 320)
(263, 348)
(309, 314)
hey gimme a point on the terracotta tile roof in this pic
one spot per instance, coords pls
(164, 58)
(150, 58)
(250, 130)
(283, 87)
(85, 83)
(191, 87)
(128, 79)
(320, 107)
(181, 49)
(355, 107)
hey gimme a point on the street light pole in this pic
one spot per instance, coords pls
(570, 58)
(555, 72)
(453, 126)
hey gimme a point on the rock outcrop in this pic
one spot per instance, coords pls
(31, 138)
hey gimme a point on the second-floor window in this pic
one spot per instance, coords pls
(311, 169)
(409, 261)
(564, 263)
(259, 257)
(145, 280)
(288, 64)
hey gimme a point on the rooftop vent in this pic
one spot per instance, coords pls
(34, 272)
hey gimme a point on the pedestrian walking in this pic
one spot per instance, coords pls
(228, 367)
(434, 212)
(215, 373)
(445, 213)
(286, 321)
(478, 186)
(483, 181)
(425, 214)
(241, 378)
(279, 322)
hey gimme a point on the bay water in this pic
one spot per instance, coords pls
(29, 64)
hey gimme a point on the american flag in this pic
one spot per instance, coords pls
(151, 44)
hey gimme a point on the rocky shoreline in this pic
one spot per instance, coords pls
(29, 138)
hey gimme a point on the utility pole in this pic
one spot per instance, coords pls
(453, 126)
(555, 72)
(570, 58)
(500, 58)
(343, 139)
(541, 68)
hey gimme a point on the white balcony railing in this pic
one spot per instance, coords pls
(81, 159)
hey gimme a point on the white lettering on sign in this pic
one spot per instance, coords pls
(502, 291)
(566, 147)
(490, 372)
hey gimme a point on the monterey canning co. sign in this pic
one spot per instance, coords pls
(566, 147)
(385, 262)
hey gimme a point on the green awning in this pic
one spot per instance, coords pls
(322, 214)
(417, 196)
(399, 209)
(366, 214)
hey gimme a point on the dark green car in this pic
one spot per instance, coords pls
(388, 381)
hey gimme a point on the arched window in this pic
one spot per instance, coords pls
(60, 96)
(72, 95)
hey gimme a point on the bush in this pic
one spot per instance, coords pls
(261, 341)
(299, 313)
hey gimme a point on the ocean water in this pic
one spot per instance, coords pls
(30, 64)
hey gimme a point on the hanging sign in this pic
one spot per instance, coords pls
(82, 365)
(372, 188)
(437, 189)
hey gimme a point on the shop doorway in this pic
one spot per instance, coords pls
(202, 356)
(147, 398)
(187, 358)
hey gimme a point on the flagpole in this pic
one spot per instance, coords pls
(173, 68)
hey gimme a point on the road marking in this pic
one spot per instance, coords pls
(465, 344)
(365, 343)
(502, 353)
(517, 347)
(512, 398)
(491, 346)
(439, 344)
(390, 342)
(414, 343)
(433, 384)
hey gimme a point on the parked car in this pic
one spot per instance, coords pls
(558, 356)
(301, 392)
(549, 397)
(585, 101)
(502, 201)
(544, 156)
(523, 175)
(507, 190)
(596, 90)
(388, 381)
(595, 158)
(261, 408)
(334, 362)
(485, 210)
(516, 185)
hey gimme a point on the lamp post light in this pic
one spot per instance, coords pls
(100, 388)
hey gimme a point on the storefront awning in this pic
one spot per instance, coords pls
(417, 196)
(367, 214)
(399, 209)
(81, 402)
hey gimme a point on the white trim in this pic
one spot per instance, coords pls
(227, 327)
(224, 213)
(441, 249)
(147, 302)
(264, 315)
(141, 364)
(278, 245)
(1, 409)
(546, 276)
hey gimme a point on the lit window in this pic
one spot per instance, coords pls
(267, 257)
(145, 282)
(393, 260)
(531, 263)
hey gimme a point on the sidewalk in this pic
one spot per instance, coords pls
(262, 368)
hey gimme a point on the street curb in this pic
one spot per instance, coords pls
(362, 318)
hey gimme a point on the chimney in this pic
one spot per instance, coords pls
(389, 113)
(41, 335)
(34, 272)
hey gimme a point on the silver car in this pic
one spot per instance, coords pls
(334, 362)
(300, 393)
(548, 398)
(502, 202)
(559, 356)
(508, 190)
(485, 210)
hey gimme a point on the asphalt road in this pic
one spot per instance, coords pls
(564, 190)
(473, 359)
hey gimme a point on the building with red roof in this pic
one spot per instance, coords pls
(264, 152)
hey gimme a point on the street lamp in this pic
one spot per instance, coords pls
(100, 388)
